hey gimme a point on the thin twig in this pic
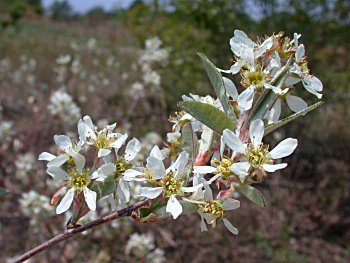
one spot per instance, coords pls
(71, 232)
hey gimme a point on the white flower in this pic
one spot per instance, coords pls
(255, 154)
(62, 104)
(24, 164)
(103, 140)
(6, 130)
(211, 211)
(247, 51)
(67, 150)
(140, 244)
(63, 59)
(244, 100)
(170, 181)
(77, 180)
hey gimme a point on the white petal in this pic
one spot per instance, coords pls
(150, 192)
(245, 99)
(267, 44)
(274, 113)
(88, 121)
(132, 148)
(241, 169)
(300, 53)
(256, 132)
(203, 169)
(119, 142)
(133, 175)
(230, 227)
(273, 167)
(82, 130)
(232, 141)
(174, 207)
(58, 161)
(284, 148)
(179, 166)
(275, 89)
(230, 204)
(156, 153)
(79, 160)
(66, 202)
(123, 191)
(295, 103)
(313, 85)
(156, 167)
(63, 141)
(230, 88)
(45, 156)
(57, 173)
(208, 193)
(203, 225)
(105, 170)
(103, 152)
(222, 146)
(90, 198)
(192, 188)
(235, 68)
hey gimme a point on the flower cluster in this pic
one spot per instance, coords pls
(153, 53)
(215, 150)
(142, 247)
(63, 105)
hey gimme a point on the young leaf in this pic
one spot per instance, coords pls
(189, 141)
(104, 188)
(207, 139)
(252, 194)
(260, 110)
(218, 84)
(208, 115)
(273, 126)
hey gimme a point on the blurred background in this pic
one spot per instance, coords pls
(60, 60)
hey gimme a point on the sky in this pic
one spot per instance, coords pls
(82, 6)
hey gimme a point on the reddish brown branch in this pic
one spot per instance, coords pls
(71, 232)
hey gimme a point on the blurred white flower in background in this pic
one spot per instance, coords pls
(63, 105)
(24, 164)
(6, 130)
(36, 207)
(142, 246)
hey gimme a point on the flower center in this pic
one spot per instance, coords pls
(214, 208)
(259, 155)
(171, 186)
(102, 141)
(254, 78)
(223, 167)
(121, 166)
(79, 180)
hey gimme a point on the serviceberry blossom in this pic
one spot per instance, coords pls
(255, 155)
(104, 140)
(78, 179)
(213, 210)
(67, 150)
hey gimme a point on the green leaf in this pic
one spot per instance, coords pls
(104, 188)
(208, 115)
(268, 99)
(252, 194)
(189, 141)
(273, 126)
(218, 84)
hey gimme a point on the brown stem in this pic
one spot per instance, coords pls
(71, 232)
